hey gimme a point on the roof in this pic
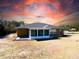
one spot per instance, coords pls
(37, 26)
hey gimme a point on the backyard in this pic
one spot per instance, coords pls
(62, 48)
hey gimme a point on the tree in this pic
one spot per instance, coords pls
(2, 31)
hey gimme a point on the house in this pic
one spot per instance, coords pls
(36, 31)
(60, 31)
(73, 29)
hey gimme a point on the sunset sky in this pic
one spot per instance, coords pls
(53, 10)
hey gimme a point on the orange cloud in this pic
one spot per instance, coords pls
(42, 8)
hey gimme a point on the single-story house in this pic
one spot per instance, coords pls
(36, 31)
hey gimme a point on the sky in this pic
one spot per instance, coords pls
(52, 9)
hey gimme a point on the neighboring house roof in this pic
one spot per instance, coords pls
(37, 25)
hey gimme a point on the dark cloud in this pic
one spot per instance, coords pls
(70, 6)
(67, 6)
(8, 5)
(76, 5)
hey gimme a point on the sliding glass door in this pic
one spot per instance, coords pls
(40, 32)
(33, 32)
(46, 32)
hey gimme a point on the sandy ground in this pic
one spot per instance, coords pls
(62, 48)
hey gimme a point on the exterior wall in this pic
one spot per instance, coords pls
(22, 32)
(60, 32)
(53, 33)
(40, 37)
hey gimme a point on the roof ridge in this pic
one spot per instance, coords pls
(45, 26)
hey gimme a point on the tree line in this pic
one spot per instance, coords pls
(68, 27)
(7, 27)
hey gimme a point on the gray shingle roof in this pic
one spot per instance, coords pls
(37, 25)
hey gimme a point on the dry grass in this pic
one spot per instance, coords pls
(66, 48)
(11, 37)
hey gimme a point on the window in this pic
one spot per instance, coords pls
(40, 32)
(46, 32)
(33, 32)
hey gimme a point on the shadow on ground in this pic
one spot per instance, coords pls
(57, 38)
(46, 39)
(66, 35)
